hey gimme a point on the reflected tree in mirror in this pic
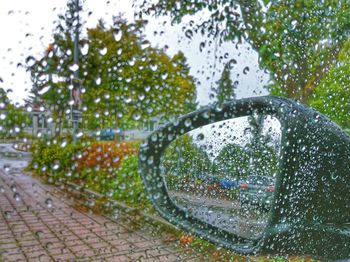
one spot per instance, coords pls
(224, 173)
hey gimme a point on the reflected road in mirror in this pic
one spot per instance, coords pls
(224, 173)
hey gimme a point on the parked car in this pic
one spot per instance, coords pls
(107, 134)
(257, 191)
(228, 183)
(208, 179)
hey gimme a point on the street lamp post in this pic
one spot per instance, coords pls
(76, 92)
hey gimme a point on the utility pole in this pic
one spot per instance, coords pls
(76, 91)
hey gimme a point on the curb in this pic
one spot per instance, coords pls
(89, 194)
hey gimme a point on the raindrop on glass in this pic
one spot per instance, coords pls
(74, 67)
(117, 35)
(246, 70)
(49, 203)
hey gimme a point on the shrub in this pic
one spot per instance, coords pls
(123, 184)
(53, 157)
(106, 155)
(128, 185)
(105, 167)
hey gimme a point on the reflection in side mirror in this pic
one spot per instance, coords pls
(257, 175)
(224, 173)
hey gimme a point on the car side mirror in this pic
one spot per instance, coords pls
(260, 175)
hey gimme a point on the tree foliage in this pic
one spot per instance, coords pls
(12, 119)
(261, 148)
(52, 74)
(232, 162)
(184, 159)
(297, 41)
(225, 91)
(131, 80)
(125, 81)
(331, 96)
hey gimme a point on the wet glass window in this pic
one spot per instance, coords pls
(84, 83)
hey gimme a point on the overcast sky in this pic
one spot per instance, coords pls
(26, 28)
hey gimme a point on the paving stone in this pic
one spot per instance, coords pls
(32, 231)
(13, 257)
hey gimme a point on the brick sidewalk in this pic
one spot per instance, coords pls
(38, 223)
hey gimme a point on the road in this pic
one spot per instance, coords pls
(39, 222)
(228, 215)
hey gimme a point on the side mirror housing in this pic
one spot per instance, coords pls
(310, 213)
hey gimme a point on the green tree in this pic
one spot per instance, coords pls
(263, 155)
(225, 91)
(297, 41)
(52, 74)
(185, 160)
(128, 81)
(331, 96)
(125, 80)
(232, 161)
(13, 120)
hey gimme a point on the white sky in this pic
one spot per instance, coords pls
(232, 131)
(26, 27)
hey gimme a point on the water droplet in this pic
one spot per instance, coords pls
(189, 34)
(246, 70)
(200, 137)
(317, 118)
(141, 97)
(136, 116)
(154, 67)
(156, 196)
(42, 258)
(39, 234)
(49, 203)
(74, 67)
(247, 131)
(17, 197)
(294, 24)
(13, 188)
(117, 35)
(145, 44)
(232, 63)
(206, 115)
(56, 165)
(164, 76)
(150, 160)
(30, 60)
(103, 51)
(132, 62)
(188, 122)
(84, 49)
(115, 214)
(8, 214)
(334, 175)
(48, 245)
(201, 46)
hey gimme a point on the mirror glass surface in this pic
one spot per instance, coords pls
(224, 173)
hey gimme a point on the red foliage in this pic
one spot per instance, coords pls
(106, 154)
